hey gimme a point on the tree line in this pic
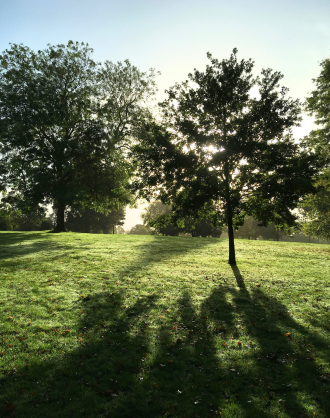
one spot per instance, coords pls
(81, 136)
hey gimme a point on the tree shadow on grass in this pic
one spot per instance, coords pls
(33, 242)
(161, 249)
(283, 370)
(140, 361)
(13, 238)
(121, 369)
(92, 379)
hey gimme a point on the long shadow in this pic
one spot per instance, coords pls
(15, 245)
(177, 370)
(156, 251)
(118, 364)
(19, 244)
(238, 277)
(93, 379)
(13, 238)
(282, 371)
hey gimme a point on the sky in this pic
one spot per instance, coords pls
(173, 36)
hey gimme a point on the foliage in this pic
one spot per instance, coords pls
(147, 326)
(15, 220)
(156, 215)
(65, 123)
(139, 230)
(89, 220)
(316, 208)
(221, 147)
(318, 105)
(155, 212)
(119, 229)
(251, 230)
(204, 228)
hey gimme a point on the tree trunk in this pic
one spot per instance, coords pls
(60, 227)
(232, 257)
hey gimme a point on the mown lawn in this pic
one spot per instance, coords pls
(140, 326)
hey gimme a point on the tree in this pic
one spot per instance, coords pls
(119, 230)
(89, 220)
(12, 219)
(218, 145)
(139, 230)
(204, 228)
(249, 229)
(156, 216)
(153, 216)
(316, 207)
(64, 125)
(154, 211)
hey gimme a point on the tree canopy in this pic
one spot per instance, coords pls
(14, 220)
(153, 216)
(157, 216)
(317, 206)
(139, 229)
(222, 146)
(65, 124)
(89, 220)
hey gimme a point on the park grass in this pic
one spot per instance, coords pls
(135, 326)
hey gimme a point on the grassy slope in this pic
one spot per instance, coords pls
(142, 326)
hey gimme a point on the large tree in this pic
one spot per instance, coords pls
(156, 215)
(317, 207)
(64, 124)
(155, 212)
(226, 145)
(89, 220)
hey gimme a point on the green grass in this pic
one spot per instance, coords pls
(142, 326)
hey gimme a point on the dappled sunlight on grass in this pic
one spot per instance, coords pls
(122, 326)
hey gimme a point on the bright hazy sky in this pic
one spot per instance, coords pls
(173, 36)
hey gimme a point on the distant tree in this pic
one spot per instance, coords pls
(12, 219)
(204, 228)
(89, 220)
(252, 230)
(201, 227)
(65, 125)
(120, 229)
(316, 207)
(47, 224)
(34, 221)
(270, 232)
(155, 211)
(218, 145)
(249, 230)
(157, 216)
(139, 230)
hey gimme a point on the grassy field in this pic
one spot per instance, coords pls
(135, 326)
